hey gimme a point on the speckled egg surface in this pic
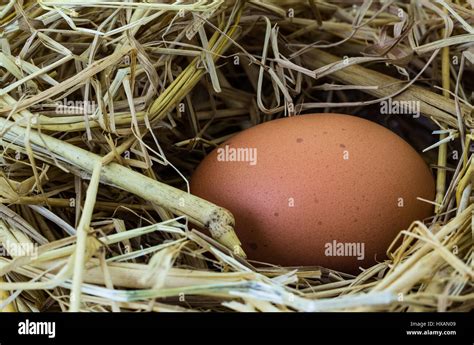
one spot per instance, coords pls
(331, 190)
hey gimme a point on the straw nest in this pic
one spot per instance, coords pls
(107, 107)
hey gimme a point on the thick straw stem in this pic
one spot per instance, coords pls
(443, 148)
(82, 233)
(218, 220)
(431, 104)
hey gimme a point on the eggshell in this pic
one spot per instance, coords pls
(327, 189)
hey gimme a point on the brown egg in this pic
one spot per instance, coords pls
(322, 189)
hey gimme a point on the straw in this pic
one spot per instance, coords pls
(107, 107)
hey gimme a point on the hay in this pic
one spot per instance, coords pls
(100, 192)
